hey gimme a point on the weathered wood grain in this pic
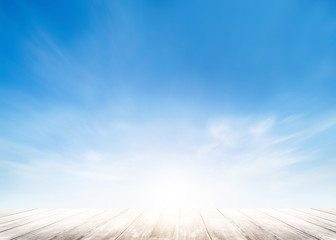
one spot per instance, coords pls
(143, 226)
(115, 227)
(167, 225)
(13, 222)
(10, 212)
(318, 214)
(184, 224)
(329, 211)
(37, 223)
(302, 225)
(90, 225)
(191, 226)
(219, 227)
(57, 229)
(279, 229)
(312, 219)
(248, 227)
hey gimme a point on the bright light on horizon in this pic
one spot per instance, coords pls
(167, 103)
(175, 187)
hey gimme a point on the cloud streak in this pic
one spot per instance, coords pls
(125, 103)
(238, 161)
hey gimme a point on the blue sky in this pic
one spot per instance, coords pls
(124, 103)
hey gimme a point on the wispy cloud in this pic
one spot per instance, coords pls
(111, 103)
(235, 160)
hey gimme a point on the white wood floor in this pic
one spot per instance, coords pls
(202, 224)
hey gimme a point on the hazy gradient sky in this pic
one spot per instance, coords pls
(166, 102)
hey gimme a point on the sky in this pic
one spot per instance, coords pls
(167, 103)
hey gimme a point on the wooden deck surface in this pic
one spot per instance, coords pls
(202, 224)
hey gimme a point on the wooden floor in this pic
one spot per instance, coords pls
(247, 224)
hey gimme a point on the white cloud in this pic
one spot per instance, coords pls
(234, 161)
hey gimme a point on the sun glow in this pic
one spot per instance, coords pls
(175, 193)
(176, 189)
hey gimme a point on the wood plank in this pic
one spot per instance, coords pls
(167, 226)
(278, 228)
(22, 215)
(191, 225)
(312, 219)
(9, 212)
(185, 224)
(16, 232)
(143, 226)
(325, 210)
(113, 228)
(80, 231)
(219, 227)
(331, 210)
(247, 227)
(319, 214)
(304, 226)
(16, 222)
(54, 230)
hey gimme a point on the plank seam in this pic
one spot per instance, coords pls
(266, 230)
(158, 219)
(104, 223)
(303, 219)
(311, 214)
(308, 234)
(320, 210)
(206, 228)
(46, 225)
(16, 219)
(18, 212)
(129, 225)
(26, 223)
(177, 226)
(241, 231)
(87, 220)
